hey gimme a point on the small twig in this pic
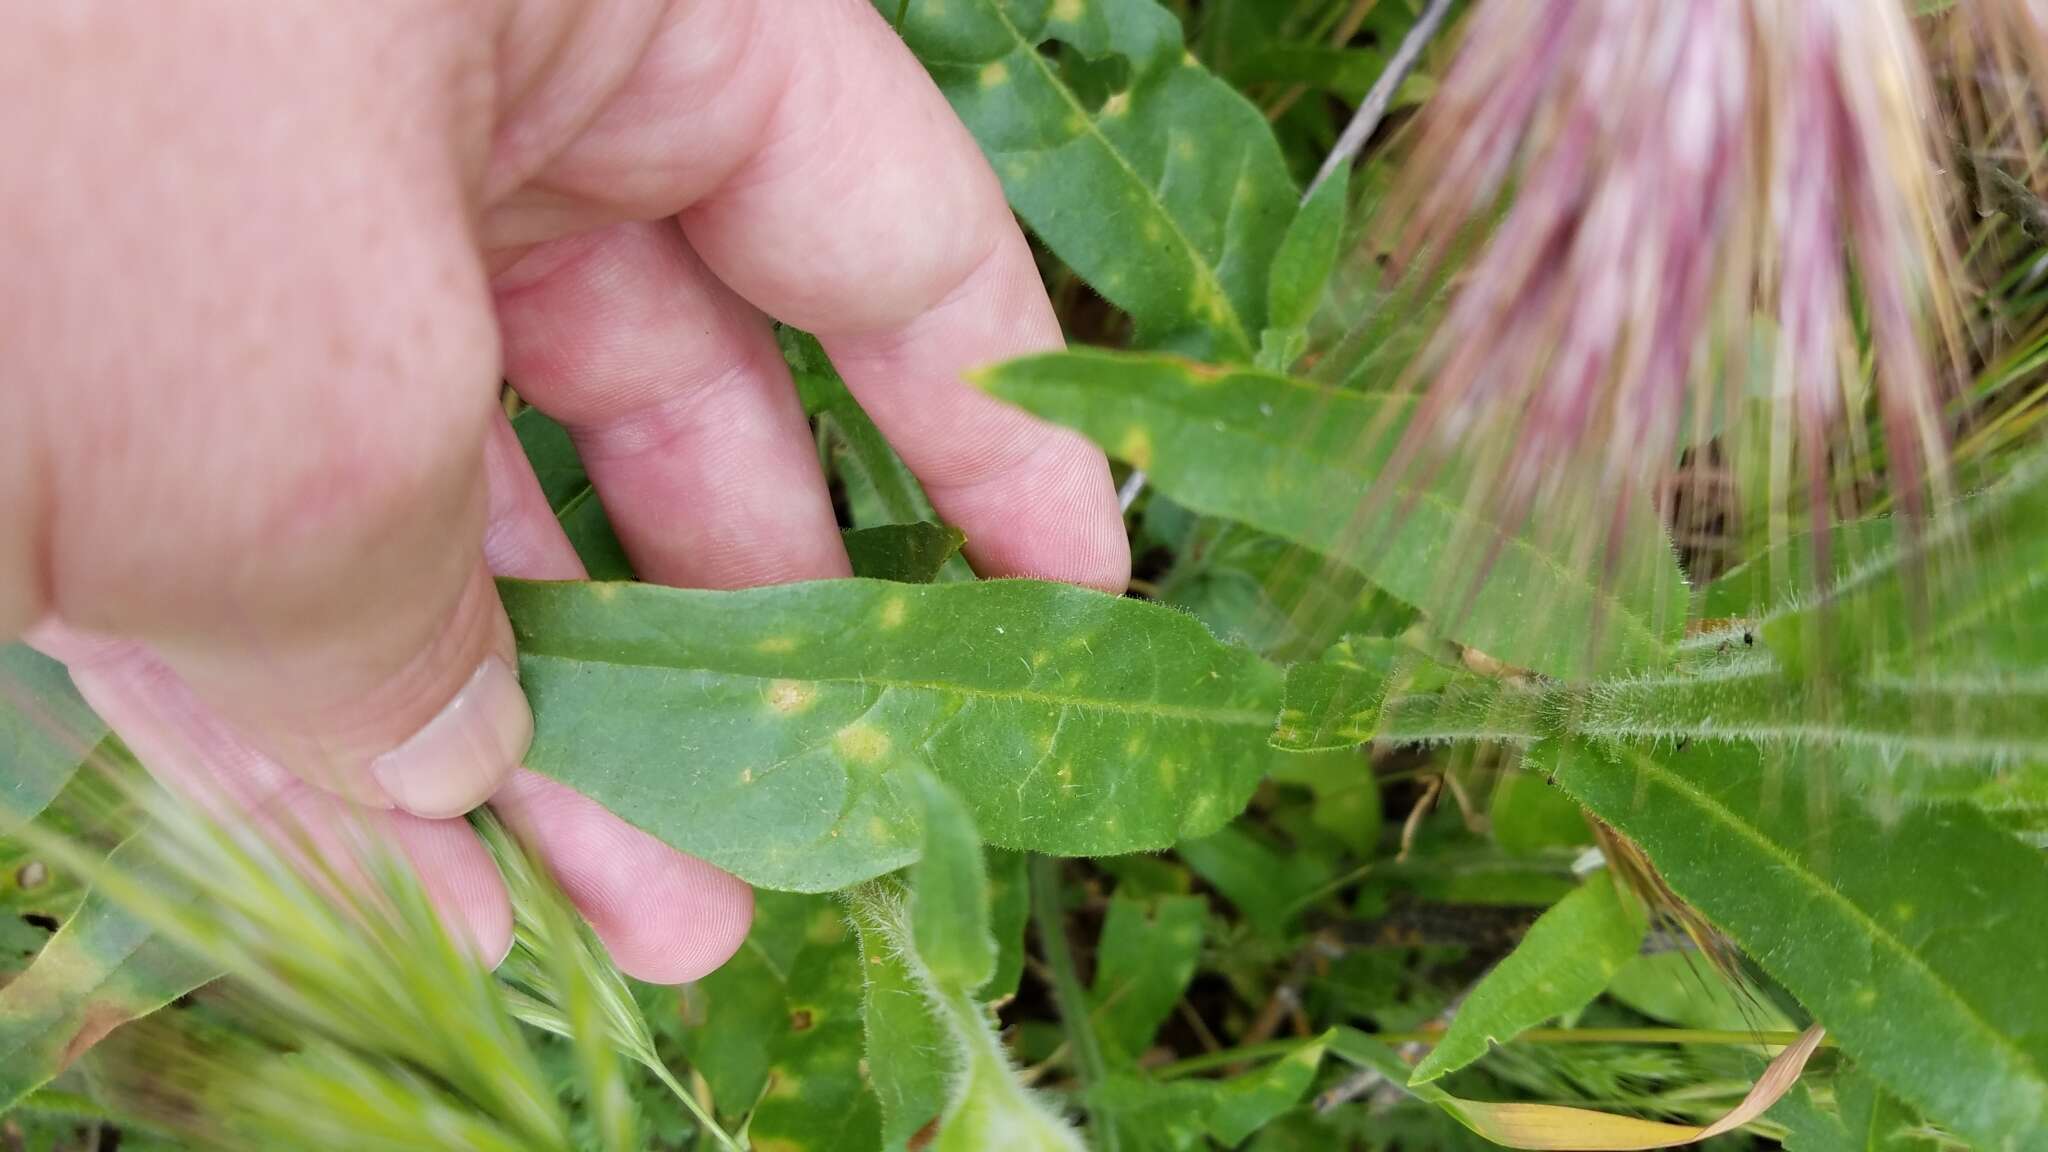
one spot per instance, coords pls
(1431, 787)
(1128, 494)
(1374, 107)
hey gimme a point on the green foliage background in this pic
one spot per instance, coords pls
(1290, 850)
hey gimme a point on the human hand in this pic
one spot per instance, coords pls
(267, 266)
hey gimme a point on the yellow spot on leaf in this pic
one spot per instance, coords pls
(606, 591)
(894, 612)
(1903, 912)
(1116, 105)
(1169, 772)
(995, 75)
(791, 696)
(861, 743)
(1066, 11)
(775, 644)
(1136, 446)
(746, 775)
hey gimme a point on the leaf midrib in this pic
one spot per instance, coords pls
(1209, 275)
(1714, 810)
(1248, 717)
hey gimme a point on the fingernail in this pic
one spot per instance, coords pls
(462, 755)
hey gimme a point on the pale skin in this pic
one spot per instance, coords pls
(267, 266)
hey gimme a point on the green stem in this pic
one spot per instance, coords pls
(1051, 918)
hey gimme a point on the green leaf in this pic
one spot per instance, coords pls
(1977, 572)
(906, 553)
(103, 968)
(1267, 885)
(985, 1104)
(1143, 964)
(1335, 702)
(1678, 989)
(1346, 795)
(816, 1098)
(1248, 1103)
(1009, 911)
(1926, 972)
(1566, 960)
(910, 1053)
(47, 731)
(1169, 199)
(1274, 597)
(1301, 460)
(1745, 698)
(761, 730)
(730, 1015)
(949, 894)
(1300, 270)
(568, 490)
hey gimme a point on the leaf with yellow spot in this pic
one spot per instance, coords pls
(47, 732)
(767, 730)
(1303, 461)
(1170, 199)
(1942, 1006)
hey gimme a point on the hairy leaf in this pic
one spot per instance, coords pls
(1169, 199)
(761, 730)
(1565, 961)
(1927, 971)
(1248, 446)
(911, 1058)
(986, 1106)
(906, 553)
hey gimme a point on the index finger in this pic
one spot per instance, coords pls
(868, 216)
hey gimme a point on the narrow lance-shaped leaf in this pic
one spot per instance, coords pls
(1170, 199)
(1300, 270)
(46, 732)
(1931, 979)
(949, 893)
(1567, 958)
(1009, 911)
(1248, 445)
(1143, 963)
(759, 729)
